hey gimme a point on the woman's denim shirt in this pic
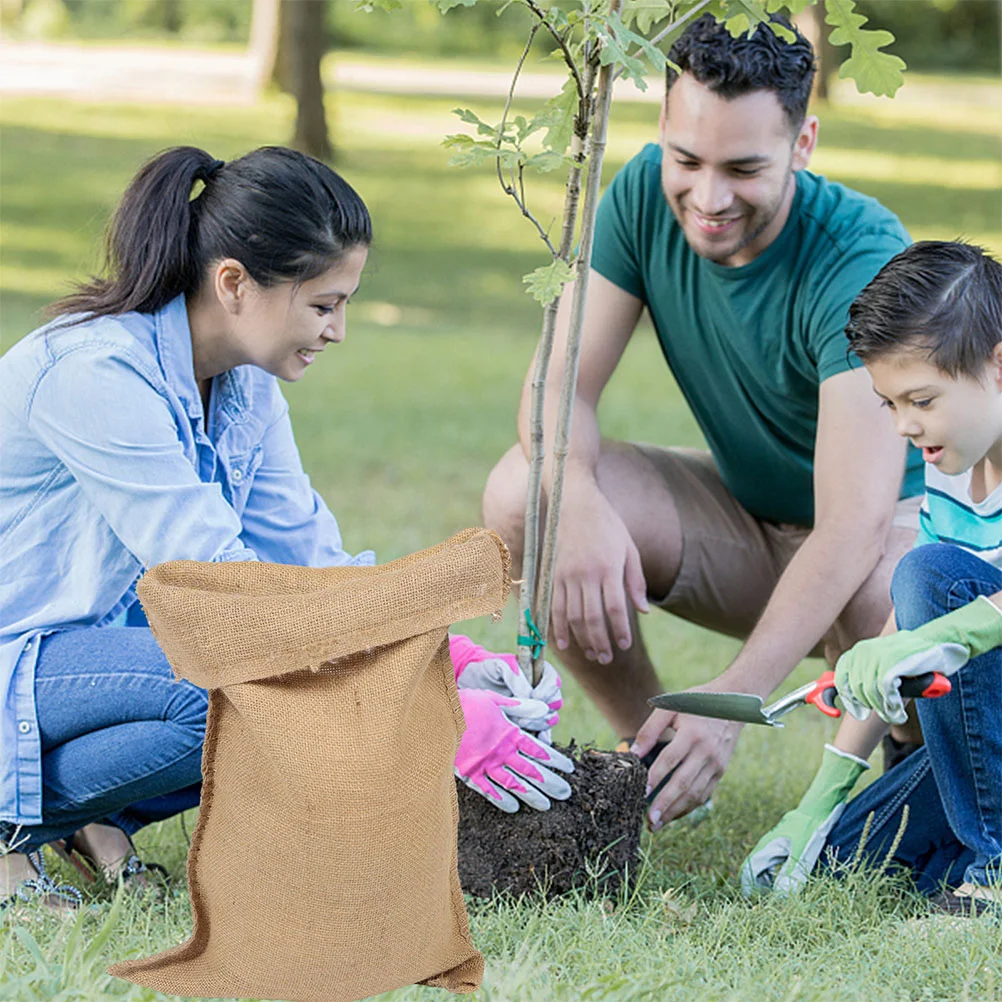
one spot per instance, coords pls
(107, 467)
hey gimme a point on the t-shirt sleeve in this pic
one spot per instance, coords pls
(839, 285)
(615, 248)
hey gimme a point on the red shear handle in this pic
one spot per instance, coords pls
(930, 685)
(823, 695)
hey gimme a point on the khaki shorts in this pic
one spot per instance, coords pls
(731, 560)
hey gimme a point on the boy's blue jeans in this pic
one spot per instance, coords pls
(121, 739)
(952, 786)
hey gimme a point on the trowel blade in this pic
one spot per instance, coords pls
(723, 705)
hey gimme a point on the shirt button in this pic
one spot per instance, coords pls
(24, 727)
(237, 476)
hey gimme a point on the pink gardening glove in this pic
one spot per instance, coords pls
(478, 668)
(502, 762)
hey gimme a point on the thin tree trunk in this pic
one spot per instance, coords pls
(304, 25)
(532, 667)
(568, 388)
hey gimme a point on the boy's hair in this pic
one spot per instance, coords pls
(938, 298)
(732, 66)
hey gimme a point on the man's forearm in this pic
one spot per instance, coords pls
(824, 574)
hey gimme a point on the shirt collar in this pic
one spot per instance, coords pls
(174, 349)
(173, 336)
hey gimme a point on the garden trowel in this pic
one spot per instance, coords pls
(749, 709)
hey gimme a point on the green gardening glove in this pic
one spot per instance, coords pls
(785, 856)
(868, 676)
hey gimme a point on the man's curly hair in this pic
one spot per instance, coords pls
(732, 66)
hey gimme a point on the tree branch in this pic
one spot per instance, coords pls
(517, 189)
(664, 32)
(568, 55)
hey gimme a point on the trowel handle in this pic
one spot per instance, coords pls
(823, 695)
(927, 686)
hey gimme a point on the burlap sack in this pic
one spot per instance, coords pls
(323, 864)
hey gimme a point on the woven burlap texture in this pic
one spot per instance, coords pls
(323, 864)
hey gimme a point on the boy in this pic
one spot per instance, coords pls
(929, 330)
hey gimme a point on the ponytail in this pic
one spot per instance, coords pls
(282, 214)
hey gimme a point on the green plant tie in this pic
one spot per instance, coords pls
(534, 639)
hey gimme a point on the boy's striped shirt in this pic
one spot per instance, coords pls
(949, 515)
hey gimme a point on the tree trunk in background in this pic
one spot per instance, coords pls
(264, 42)
(812, 24)
(302, 44)
(288, 40)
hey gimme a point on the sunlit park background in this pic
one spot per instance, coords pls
(400, 426)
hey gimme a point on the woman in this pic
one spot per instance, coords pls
(145, 424)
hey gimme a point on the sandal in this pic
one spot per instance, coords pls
(62, 898)
(129, 868)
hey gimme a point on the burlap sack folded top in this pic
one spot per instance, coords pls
(323, 864)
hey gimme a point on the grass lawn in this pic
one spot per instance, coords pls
(399, 430)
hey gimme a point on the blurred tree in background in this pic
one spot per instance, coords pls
(288, 40)
(942, 35)
(931, 35)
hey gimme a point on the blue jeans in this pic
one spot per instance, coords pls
(952, 786)
(121, 739)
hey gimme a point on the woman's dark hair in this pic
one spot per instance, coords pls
(732, 66)
(282, 214)
(937, 298)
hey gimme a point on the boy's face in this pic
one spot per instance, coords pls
(955, 422)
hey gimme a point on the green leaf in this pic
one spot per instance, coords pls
(472, 118)
(789, 7)
(446, 5)
(782, 32)
(617, 39)
(557, 116)
(742, 16)
(545, 284)
(472, 153)
(874, 71)
(644, 14)
(547, 161)
(368, 6)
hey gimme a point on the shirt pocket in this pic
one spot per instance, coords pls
(241, 468)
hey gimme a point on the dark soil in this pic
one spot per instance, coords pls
(551, 852)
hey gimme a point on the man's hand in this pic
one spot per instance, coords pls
(784, 857)
(868, 677)
(502, 762)
(477, 668)
(696, 758)
(597, 576)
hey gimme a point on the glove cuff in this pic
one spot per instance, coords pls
(833, 782)
(977, 625)
(861, 762)
(464, 652)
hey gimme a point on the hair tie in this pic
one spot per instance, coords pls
(213, 169)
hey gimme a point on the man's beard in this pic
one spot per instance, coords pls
(759, 223)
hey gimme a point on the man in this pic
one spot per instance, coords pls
(787, 531)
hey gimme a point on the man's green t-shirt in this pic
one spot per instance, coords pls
(750, 346)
